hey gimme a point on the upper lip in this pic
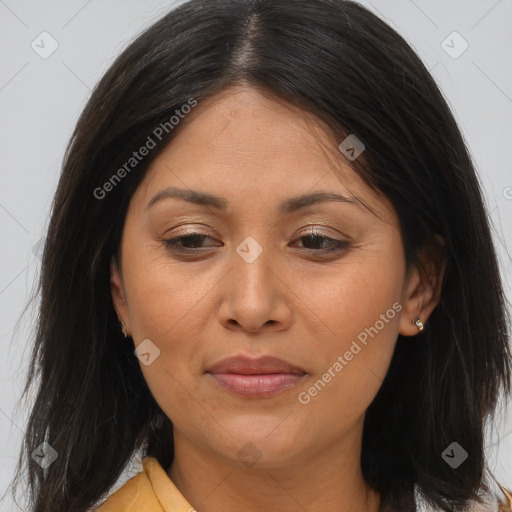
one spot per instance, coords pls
(246, 365)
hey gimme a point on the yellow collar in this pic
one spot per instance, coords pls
(149, 490)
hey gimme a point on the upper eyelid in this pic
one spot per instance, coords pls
(313, 232)
(313, 229)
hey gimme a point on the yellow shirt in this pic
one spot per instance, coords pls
(153, 491)
(149, 491)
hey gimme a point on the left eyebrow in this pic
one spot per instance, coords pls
(287, 207)
(192, 196)
(297, 203)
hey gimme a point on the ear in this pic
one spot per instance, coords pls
(422, 287)
(118, 293)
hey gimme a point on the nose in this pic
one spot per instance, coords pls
(256, 296)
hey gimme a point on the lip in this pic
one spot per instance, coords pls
(256, 377)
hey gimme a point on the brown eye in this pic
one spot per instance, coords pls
(186, 243)
(316, 242)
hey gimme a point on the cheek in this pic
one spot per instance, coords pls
(165, 297)
(164, 305)
(352, 368)
(354, 293)
(165, 311)
(360, 311)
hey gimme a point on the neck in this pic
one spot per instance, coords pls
(330, 481)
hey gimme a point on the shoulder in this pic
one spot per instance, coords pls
(135, 495)
(504, 499)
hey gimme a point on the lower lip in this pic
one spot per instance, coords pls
(257, 385)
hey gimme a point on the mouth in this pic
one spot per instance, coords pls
(255, 378)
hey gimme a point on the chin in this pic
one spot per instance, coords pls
(261, 447)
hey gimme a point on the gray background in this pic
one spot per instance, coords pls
(40, 100)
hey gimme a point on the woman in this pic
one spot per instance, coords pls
(270, 270)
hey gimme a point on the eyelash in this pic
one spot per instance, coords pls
(172, 243)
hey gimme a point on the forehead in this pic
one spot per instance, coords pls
(245, 139)
(244, 121)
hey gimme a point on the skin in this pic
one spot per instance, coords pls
(295, 301)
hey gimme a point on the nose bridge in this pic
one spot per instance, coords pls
(254, 297)
(250, 264)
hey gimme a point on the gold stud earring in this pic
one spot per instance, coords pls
(418, 323)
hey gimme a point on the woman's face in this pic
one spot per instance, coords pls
(253, 282)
